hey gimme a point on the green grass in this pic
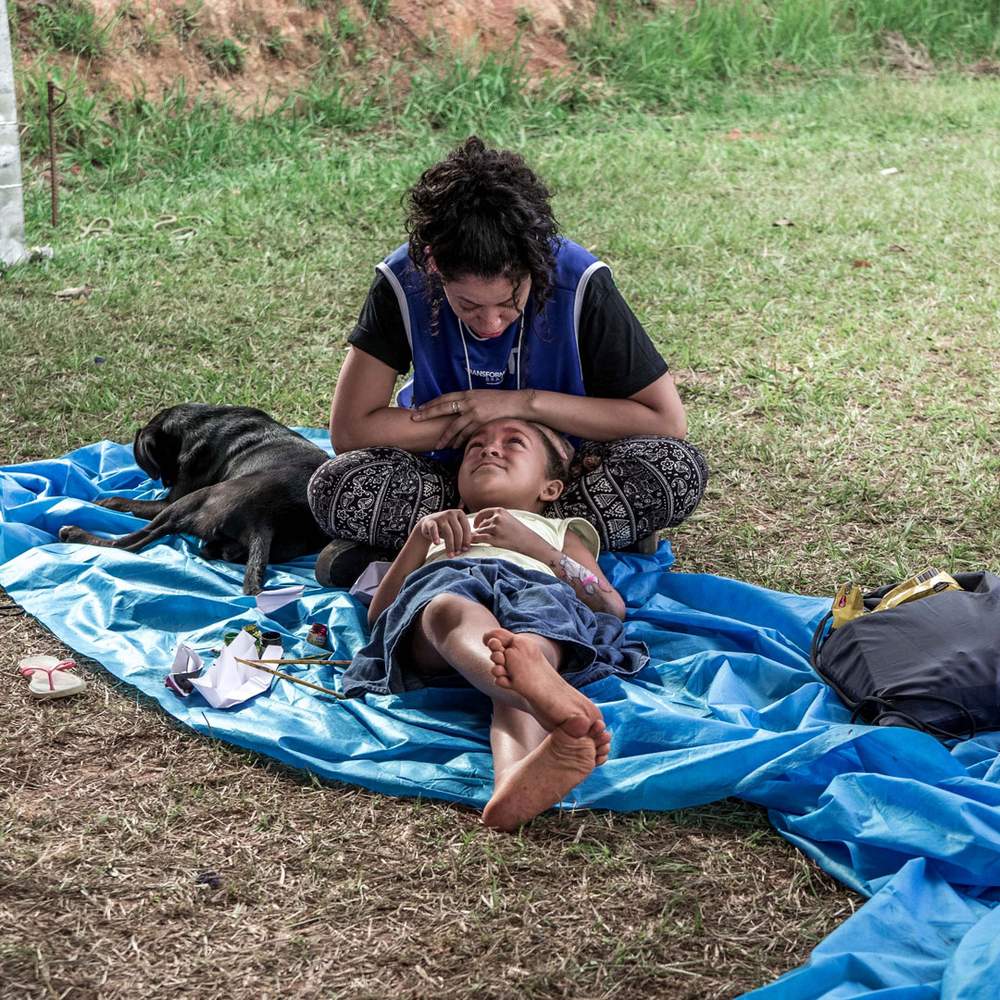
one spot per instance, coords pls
(329, 43)
(225, 55)
(668, 59)
(714, 55)
(71, 26)
(459, 95)
(275, 45)
(849, 413)
(119, 141)
(185, 19)
(347, 27)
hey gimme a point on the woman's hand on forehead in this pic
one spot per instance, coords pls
(470, 410)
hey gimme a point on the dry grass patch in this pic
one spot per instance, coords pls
(142, 860)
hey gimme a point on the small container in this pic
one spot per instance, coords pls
(271, 639)
(317, 635)
(270, 649)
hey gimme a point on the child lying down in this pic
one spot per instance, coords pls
(514, 603)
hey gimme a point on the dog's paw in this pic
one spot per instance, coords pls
(67, 533)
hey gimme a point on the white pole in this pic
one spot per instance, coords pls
(11, 194)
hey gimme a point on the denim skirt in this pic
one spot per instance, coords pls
(595, 645)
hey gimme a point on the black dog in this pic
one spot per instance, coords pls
(237, 480)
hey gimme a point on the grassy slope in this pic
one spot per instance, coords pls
(848, 412)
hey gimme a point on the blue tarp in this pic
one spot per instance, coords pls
(729, 706)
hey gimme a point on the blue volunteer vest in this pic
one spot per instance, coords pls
(548, 358)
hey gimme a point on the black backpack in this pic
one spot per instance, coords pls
(931, 664)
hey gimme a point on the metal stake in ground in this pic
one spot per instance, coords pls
(53, 176)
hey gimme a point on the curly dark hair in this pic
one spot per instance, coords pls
(483, 212)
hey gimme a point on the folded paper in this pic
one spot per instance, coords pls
(278, 597)
(365, 586)
(227, 682)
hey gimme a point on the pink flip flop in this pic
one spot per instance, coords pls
(49, 678)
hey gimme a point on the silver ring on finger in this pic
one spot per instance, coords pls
(456, 406)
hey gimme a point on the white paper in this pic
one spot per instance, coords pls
(365, 586)
(271, 600)
(186, 660)
(226, 683)
(270, 653)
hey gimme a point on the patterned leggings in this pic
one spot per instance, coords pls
(627, 489)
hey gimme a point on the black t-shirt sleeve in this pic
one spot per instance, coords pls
(616, 354)
(380, 331)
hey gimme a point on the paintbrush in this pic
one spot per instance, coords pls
(317, 660)
(259, 665)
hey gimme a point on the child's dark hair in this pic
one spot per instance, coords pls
(558, 456)
(483, 212)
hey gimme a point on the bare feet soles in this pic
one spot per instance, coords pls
(577, 740)
(553, 769)
(520, 666)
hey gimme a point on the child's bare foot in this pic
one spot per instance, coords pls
(520, 665)
(602, 746)
(546, 776)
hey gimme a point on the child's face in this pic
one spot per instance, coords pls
(506, 465)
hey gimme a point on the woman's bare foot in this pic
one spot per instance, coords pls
(546, 776)
(520, 666)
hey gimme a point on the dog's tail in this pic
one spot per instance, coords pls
(258, 553)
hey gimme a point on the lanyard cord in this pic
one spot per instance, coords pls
(517, 367)
(465, 347)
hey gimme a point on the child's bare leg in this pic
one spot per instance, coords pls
(524, 663)
(513, 735)
(534, 769)
(449, 633)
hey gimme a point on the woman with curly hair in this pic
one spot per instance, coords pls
(497, 315)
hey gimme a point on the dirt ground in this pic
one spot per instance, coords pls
(141, 860)
(153, 45)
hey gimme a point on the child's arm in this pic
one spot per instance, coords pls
(578, 567)
(411, 556)
(575, 564)
(449, 526)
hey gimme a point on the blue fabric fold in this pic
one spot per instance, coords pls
(728, 706)
(902, 945)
